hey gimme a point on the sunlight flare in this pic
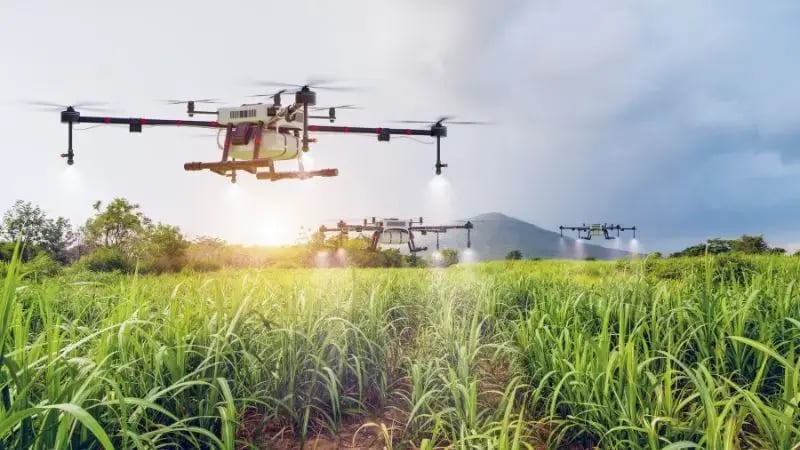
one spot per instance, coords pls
(278, 231)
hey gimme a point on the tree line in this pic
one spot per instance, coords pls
(120, 237)
(745, 244)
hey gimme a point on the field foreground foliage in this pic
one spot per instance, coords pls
(701, 353)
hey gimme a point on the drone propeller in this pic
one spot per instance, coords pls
(52, 106)
(321, 108)
(311, 83)
(442, 119)
(201, 100)
(275, 96)
(272, 95)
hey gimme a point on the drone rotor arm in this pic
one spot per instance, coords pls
(369, 130)
(138, 122)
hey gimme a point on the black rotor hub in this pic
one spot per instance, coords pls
(438, 130)
(305, 96)
(70, 115)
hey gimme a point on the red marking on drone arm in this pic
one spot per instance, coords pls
(107, 120)
(178, 122)
(214, 124)
(312, 128)
(408, 131)
(346, 129)
(143, 120)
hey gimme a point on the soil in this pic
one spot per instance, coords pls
(358, 433)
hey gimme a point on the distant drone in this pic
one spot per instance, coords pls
(393, 231)
(597, 229)
(257, 135)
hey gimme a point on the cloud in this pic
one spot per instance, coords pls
(669, 115)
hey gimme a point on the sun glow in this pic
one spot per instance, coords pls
(278, 231)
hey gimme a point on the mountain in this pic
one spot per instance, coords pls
(496, 234)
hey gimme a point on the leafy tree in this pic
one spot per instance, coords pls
(166, 240)
(744, 244)
(207, 252)
(718, 246)
(712, 247)
(166, 248)
(694, 250)
(29, 224)
(514, 255)
(119, 225)
(750, 244)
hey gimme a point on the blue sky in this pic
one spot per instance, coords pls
(680, 117)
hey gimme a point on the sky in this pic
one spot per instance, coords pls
(682, 118)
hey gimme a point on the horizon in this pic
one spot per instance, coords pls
(294, 240)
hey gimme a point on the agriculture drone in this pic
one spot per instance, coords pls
(392, 231)
(257, 135)
(597, 229)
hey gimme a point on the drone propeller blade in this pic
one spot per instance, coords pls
(272, 95)
(443, 119)
(277, 84)
(320, 108)
(60, 105)
(311, 84)
(201, 100)
(52, 106)
(320, 81)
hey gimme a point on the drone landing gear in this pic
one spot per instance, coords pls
(224, 167)
(300, 175)
(252, 166)
(221, 167)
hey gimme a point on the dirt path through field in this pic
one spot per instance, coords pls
(358, 433)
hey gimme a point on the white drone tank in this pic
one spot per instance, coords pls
(394, 236)
(274, 145)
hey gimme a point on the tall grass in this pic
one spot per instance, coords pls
(499, 355)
